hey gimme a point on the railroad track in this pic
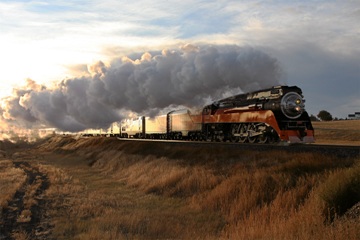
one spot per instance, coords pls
(341, 151)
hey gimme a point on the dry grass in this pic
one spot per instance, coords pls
(341, 191)
(106, 189)
(22, 235)
(146, 190)
(273, 196)
(271, 203)
(90, 205)
(11, 179)
(346, 132)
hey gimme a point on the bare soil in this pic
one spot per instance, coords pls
(19, 217)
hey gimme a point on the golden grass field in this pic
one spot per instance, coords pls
(102, 188)
(338, 132)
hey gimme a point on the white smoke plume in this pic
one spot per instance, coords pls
(186, 76)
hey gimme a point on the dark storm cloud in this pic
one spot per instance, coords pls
(330, 79)
(186, 76)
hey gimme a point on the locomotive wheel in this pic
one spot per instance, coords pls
(220, 138)
(273, 137)
(263, 138)
(235, 128)
(209, 137)
(243, 133)
(251, 130)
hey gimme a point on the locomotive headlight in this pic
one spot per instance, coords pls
(292, 105)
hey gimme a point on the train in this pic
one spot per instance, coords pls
(271, 115)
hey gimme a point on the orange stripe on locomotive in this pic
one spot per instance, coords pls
(239, 115)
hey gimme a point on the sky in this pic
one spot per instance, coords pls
(59, 44)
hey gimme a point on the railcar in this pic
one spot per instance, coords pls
(270, 115)
(112, 131)
(183, 124)
(178, 124)
(154, 127)
(132, 128)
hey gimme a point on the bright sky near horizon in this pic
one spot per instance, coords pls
(317, 43)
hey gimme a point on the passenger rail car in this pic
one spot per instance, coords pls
(112, 131)
(269, 115)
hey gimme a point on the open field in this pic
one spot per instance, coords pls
(101, 188)
(346, 132)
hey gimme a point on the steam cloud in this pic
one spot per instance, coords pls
(187, 76)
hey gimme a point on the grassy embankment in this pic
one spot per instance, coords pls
(104, 189)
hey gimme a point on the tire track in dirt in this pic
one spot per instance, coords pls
(26, 213)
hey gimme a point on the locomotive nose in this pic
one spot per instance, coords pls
(292, 105)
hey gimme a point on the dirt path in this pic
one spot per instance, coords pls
(26, 215)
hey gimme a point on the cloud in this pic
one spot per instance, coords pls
(317, 43)
(187, 76)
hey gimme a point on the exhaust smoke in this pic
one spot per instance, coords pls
(188, 76)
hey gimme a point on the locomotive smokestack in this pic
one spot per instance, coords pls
(187, 76)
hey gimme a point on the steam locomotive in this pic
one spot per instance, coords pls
(266, 116)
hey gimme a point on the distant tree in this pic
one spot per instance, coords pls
(325, 116)
(313, 118)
